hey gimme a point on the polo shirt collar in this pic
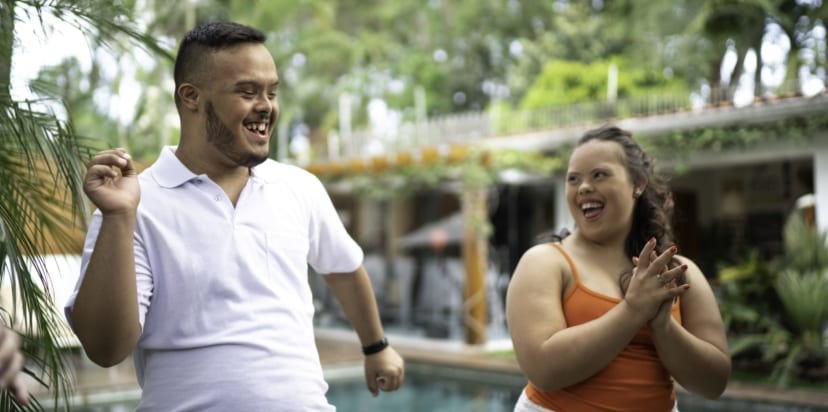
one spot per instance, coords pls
(168, 171)
(265, 172)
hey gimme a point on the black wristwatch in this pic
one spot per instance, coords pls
(375, 347)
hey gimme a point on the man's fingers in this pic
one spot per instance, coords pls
(374, 389)
(101, 171)
(388, 384)
(383, 382)
(129, 168)
(113, 158)
(373, 386)
(19, 390)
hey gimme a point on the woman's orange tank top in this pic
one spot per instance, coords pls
(634, 381)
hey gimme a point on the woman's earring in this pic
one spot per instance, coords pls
(637, 193)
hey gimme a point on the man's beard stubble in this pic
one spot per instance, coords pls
(220, 136)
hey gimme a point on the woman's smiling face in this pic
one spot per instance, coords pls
(599, 190)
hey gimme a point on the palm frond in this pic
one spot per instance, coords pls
(744, 343)
(805, 298)
(41, 169)
(110, 21)
(8, 403)
(784, 369)
(805, 248)
(40, 175)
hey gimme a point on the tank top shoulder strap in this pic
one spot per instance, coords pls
(572, 267)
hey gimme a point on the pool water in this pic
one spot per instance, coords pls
(433, 390)
(444, 389)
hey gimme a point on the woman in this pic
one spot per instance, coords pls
(604, 319)
(11, 362)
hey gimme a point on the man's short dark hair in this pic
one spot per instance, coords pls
(203, 40)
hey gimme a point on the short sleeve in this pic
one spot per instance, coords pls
(332, 249)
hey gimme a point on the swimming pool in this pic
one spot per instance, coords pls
(437, 388)
(445, 389)
(430, 388)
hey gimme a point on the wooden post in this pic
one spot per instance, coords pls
(475, 257)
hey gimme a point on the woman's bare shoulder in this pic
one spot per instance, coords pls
(543, 252)
(693, 270)
(542, 260)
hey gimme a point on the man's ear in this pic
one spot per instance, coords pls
(189, 96)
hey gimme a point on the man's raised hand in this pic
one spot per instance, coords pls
(111, 182)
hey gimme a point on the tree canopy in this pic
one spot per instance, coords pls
(441, 57)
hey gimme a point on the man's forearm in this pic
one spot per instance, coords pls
(105, 313)
(356, 296)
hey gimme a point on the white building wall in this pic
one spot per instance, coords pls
(821, 187)
(562, 216)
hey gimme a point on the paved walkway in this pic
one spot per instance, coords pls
(339, 348)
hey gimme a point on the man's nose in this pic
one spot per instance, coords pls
(263, 104)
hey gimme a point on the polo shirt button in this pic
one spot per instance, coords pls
(218, 198)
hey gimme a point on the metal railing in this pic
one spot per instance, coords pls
(465, 128)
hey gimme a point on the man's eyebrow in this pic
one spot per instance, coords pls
(255, 83)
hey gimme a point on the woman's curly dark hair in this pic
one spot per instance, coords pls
(653, 209)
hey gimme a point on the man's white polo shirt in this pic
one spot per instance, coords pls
(223, 293)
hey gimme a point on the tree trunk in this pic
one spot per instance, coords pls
(475, 257)
(758, 87)
(733, 84)
(6, 44)
(716, 80)
(792, 63)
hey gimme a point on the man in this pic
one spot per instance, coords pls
(202, 272)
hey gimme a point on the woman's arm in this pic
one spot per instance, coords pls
(695, 351)
(553, 355)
